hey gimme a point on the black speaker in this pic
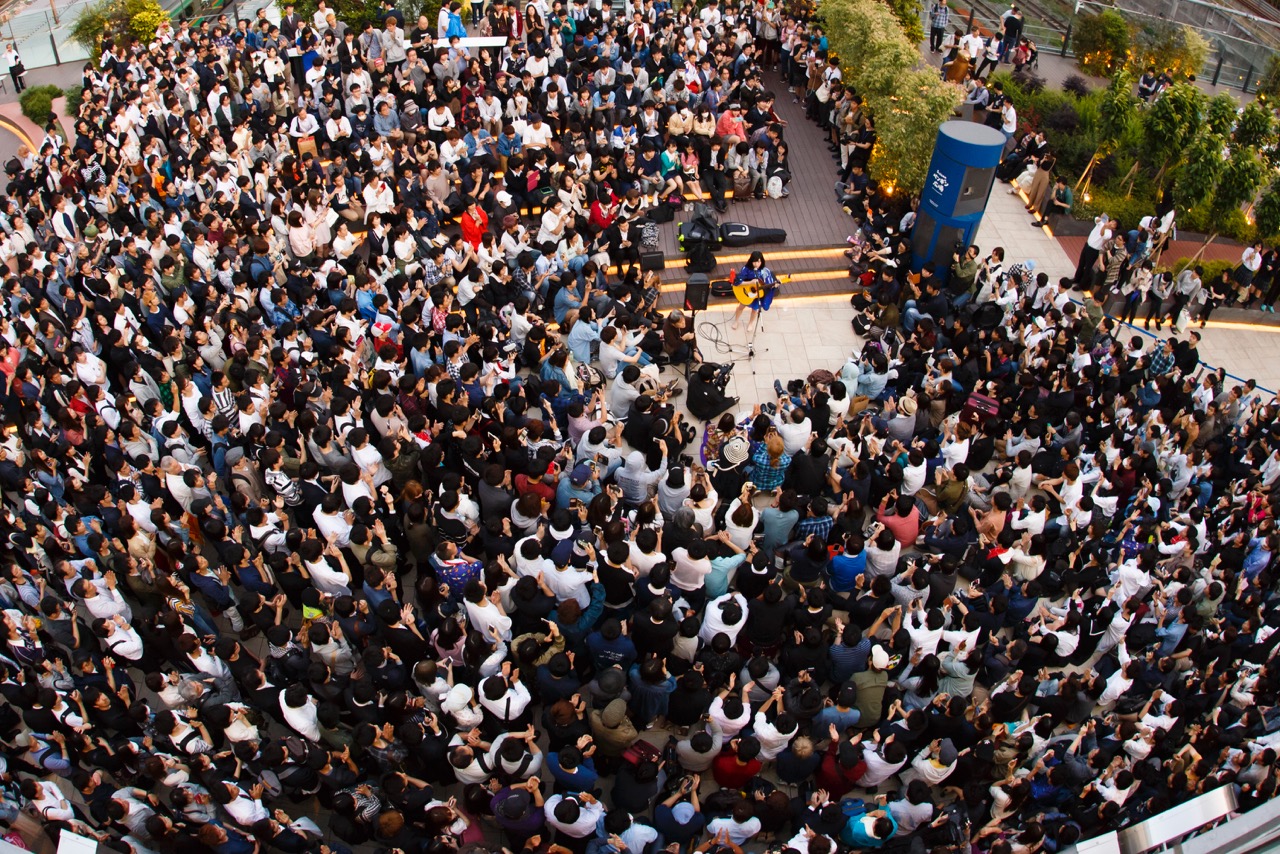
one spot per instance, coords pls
(696, 291)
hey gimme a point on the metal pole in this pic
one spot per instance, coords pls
(971, 13)
(1248, 75)
(1066, 38)
(1217, 72)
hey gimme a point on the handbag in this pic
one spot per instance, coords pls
(641, 751)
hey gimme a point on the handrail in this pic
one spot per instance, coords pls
(1173, 825)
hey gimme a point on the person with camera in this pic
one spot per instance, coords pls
(707, 398)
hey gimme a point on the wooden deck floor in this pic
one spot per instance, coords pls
(810, 214)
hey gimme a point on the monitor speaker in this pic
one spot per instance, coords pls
(696, 291)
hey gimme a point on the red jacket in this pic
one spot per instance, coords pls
(473, 228)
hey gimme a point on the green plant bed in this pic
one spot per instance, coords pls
(1233, 225)
(1211, 270)
(37, 102)
(1128, 212)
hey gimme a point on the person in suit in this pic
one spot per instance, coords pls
(624, 244)
(289, 24)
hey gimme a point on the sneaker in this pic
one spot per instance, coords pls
(777, 387)
(785, 193)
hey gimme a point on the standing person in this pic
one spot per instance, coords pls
(17, 70)
(1012, 31)
(1185, 288)
(760, 284)
(939, 17)
(1103, 227)
(1246, 270)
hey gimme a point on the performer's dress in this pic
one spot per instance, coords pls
(766, 278)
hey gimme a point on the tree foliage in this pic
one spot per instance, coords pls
(1267, 212)
(1256, 127)
(1199, 172)
(1175, 48)
(116, 20)
(908, 14)
(1221, 114)
(1170, 122)
(1239, 180)
(907, 127)
(877, 58)
(1118, 110)
(1101, 42)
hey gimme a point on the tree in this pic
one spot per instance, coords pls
(1168, 125)
(1117, 112)
(1198, 174)
(878, 60)
(908, 14)
(1239, 180)
(1221, 114)
(1175, 48)
(117, 20)
(873, 50)
(1101, 42)
(1255, 127)
(1267, 212)
(907, 127)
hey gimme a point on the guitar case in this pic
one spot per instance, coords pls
(741, 234)
(722, 288)
(702, 228)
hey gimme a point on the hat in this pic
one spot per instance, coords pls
(1030, 264)
(504, 199)
(456, 699)
(514, 805)
(510, 220)
(580, 475)
(879, 658)
(907, 405)
(735, 451)
(682, 812)
(23, 740)
(947, 752)
(614, 713)
(561, 533)
(611, 681)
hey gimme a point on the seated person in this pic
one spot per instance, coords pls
(706, 398)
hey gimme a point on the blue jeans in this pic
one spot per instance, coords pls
(644, 357)
(911, 316)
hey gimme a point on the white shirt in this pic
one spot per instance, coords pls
(304, 720)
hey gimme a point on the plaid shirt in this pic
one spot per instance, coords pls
(939, 16)
(1161, 363)
(820, 525)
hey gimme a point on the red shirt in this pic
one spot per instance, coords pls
(731, 774)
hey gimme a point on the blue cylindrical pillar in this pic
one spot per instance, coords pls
(961, 173)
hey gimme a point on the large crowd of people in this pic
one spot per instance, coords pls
(347, 503)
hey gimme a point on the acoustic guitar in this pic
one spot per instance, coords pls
(748, 292)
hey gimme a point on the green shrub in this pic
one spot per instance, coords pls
(1175, 48)
(1210, 270)
(1203, 220)
(1077, 86)
(1101, 42)
(74, 95)
(37, 102)
(1128, 212)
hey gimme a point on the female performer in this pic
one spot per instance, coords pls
(754, 287)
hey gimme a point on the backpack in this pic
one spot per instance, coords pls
(773, 187)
